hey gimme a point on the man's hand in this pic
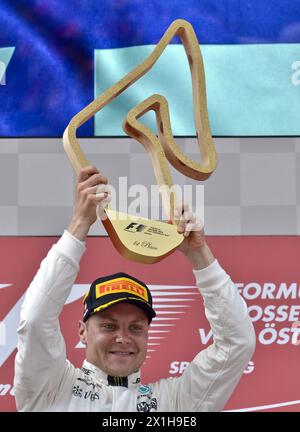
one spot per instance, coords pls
(91, 191)
(194, 246)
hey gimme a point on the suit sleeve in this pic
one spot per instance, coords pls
(41, 358)
(211, 377)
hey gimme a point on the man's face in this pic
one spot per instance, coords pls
(116, 339)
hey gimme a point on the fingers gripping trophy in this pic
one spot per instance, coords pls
(128, 233)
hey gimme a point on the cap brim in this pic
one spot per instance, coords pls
(150, 313)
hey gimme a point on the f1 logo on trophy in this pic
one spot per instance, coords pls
(140, 239)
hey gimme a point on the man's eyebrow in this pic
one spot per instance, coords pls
(106, 317)
(139, 320)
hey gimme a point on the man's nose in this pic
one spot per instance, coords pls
(123, 336)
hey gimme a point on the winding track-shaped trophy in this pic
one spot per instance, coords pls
(140, 239)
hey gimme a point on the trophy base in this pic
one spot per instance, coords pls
(139, 239)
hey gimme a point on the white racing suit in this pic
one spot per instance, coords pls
(46, 381)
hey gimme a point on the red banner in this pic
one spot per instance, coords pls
(265, 270)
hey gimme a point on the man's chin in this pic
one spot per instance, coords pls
(120, 372)
(122, 368)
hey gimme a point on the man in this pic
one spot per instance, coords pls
(115, 329)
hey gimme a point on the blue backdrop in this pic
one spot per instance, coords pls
(50, 76)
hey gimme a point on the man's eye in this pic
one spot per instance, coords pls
(136, 328)
(108, 326)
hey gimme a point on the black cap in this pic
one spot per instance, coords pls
(112, 289)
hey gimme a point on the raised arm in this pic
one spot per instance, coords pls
(41, 358)
(211, 377)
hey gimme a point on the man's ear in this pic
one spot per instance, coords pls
(82, 332)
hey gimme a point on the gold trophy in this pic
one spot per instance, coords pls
(140, 239)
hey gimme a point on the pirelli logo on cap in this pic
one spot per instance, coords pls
(120, 285)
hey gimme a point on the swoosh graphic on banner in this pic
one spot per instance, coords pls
(10, 323)
(169, 311)
(5, 285)
(264, 407)
(78, 291)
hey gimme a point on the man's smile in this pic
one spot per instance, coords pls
(122, 353)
